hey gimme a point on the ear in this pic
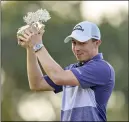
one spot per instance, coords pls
(98, 43)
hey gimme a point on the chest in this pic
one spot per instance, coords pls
(77, 97)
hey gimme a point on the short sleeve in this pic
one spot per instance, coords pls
(57, 88)
(91, 74)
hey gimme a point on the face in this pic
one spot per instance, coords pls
(84, 51)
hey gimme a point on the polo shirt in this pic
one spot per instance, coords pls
(88, 101)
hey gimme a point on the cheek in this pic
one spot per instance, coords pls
(73, 49)
(88, 49)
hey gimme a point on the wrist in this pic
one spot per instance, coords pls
(37, 47)
(29, 49)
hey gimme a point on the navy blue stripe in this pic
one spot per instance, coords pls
(52, 84)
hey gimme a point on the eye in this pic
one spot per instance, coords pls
(83, 43)
(73, 42)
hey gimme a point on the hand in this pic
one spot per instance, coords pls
(30, 37)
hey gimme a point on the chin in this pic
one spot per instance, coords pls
(80, 59)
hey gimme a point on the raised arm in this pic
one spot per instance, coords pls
(34, 73)
(52, 69)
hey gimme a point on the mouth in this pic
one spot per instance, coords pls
(79, 54)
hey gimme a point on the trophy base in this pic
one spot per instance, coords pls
(35, 27)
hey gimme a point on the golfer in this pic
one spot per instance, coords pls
(87, 85)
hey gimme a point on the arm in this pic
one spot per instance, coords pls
(52, 69)
(58, 75)
(35, 76)
(92, 74)
(89, 75)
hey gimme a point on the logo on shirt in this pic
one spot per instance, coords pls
(78, 27)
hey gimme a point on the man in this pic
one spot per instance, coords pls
(86, 85)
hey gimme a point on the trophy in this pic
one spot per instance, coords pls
(34, 21)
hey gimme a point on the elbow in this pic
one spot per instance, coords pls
(34, 86)
(35, 89)
(35, 83)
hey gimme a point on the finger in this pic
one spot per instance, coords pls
(22, 38)
(18, 40)
(28, 32)
(22, 43)
(26, 35)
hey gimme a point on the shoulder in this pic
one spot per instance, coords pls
(70, 66)
(100, 68)
(110, 69)
(100, 65)
(107, 64)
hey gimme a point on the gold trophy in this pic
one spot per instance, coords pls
(34, 21)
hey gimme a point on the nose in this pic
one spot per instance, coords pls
(77, 47)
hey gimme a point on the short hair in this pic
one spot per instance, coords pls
(94, 40)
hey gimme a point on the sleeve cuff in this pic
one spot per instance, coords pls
(52, 84)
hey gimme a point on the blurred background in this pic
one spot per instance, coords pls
(18, 103)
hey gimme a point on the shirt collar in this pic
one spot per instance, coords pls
(99, 56)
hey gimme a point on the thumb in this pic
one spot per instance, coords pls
(22, 44)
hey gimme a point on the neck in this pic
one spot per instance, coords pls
(94, 54)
